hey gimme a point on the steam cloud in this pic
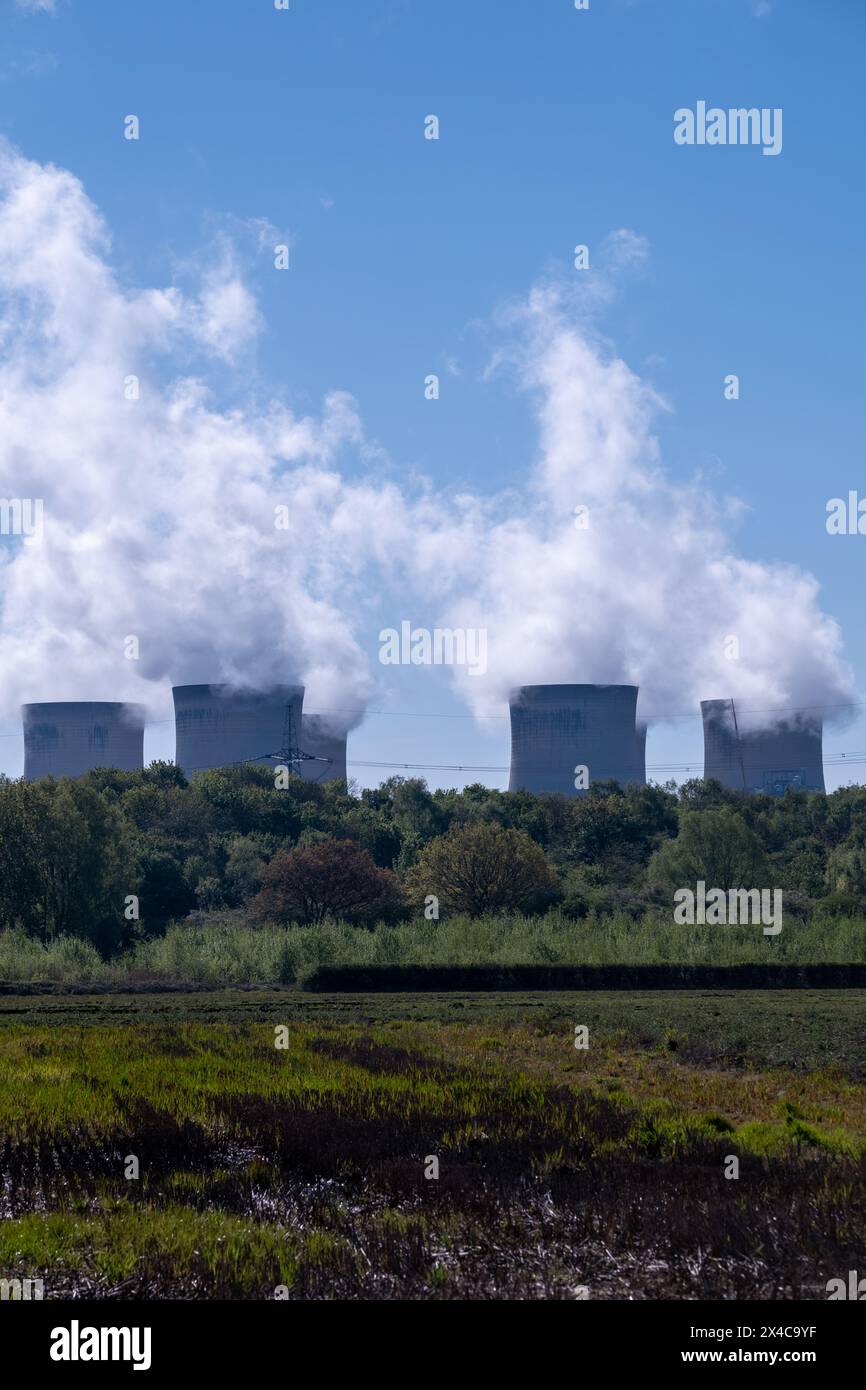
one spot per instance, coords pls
(160, 517)
(649, 593)
(160, 512)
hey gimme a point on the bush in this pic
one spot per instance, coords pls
(67, 958)
(334, 878)
(397, 979)
(482, 867)
(716, 846)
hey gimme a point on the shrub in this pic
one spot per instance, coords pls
(482, 867)
(716, 846)
(334, 878)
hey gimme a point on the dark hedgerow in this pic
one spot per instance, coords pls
(333, 979)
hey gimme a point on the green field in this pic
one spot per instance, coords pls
(798, 1029)
(302, 1170)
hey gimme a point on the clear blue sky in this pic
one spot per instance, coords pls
(556, 128)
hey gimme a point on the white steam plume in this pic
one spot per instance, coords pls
(642, 587)
(160, 523)
(159, 512)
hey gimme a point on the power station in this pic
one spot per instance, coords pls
(769, 760)
(556, 730)
(564, 738)
(69, 738)
(219, 726)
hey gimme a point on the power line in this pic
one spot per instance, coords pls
(854, 759)
(504, 718)
(642, 718)
(830, 759)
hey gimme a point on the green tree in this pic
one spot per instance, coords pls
(23, 811)
(374, 831)
(715, 846)
(846, 869)
(705, 794)
(480, 867)
(66, 863)
(413, 809)
(543, 818)
(163, 890)
(247, 857)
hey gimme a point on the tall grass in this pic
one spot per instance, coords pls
(68, 959)
(217, 951)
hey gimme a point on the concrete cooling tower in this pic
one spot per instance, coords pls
(640, 741)
(764, 760)
(69, 738)
(320, 740)
(219, 725)
(556, 728)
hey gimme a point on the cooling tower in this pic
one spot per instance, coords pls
(556, 728)
(763, 760)
(640, 740)
(320, 740)
(218, 725)
(69, 738)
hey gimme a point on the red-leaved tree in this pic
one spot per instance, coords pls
(335, 878)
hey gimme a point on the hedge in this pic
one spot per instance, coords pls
(372, 979)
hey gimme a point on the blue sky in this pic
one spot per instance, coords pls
(556, 128)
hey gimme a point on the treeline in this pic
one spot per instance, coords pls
(114, 857)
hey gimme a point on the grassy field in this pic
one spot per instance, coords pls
(303, 1169)
(796, 1029)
